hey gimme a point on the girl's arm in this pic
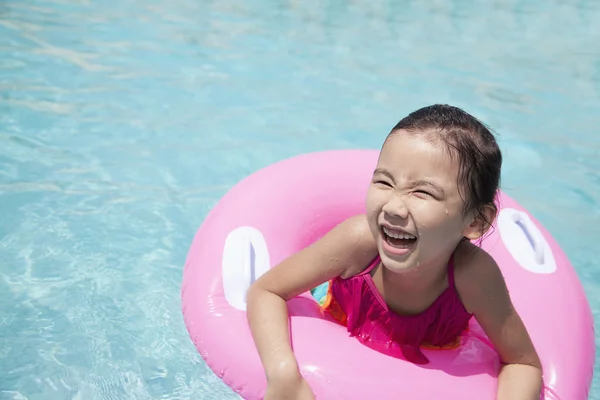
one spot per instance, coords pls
(484, 293)
(347, 247)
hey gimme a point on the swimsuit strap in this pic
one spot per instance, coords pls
(373, 264)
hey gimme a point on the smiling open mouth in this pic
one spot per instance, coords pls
(397, 238)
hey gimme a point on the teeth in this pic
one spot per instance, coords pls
(397, 235)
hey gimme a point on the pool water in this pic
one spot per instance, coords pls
(123, 123)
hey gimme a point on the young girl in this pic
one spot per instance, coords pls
(411, 254)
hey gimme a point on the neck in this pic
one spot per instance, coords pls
(424, 276)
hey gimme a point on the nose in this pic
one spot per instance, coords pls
(396, 207)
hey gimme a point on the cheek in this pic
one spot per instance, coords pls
(427, 210)
(421, 207)
(434, 215)
(373, 201)
(444, 228)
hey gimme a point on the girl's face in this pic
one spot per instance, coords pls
(414, 207)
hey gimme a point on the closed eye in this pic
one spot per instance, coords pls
(422, 192)
(380, 182)
(421, 184)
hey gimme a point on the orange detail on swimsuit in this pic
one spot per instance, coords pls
(332, 307)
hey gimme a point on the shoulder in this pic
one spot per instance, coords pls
(348, 242)
(355, 235)
(355, 242)
(357, 228)
(347, 247)
(478, 277)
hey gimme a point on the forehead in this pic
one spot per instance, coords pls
(417, 156)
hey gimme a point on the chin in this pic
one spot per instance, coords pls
(398, 264)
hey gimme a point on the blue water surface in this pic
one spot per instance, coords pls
(122, 123)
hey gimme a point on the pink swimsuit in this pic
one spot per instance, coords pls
(356, 303)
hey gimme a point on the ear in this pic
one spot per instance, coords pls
(480, 222)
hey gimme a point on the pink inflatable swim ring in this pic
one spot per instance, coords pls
(290, 204)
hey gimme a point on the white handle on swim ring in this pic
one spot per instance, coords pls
(532, 235)
(525, 242)
(245, 259)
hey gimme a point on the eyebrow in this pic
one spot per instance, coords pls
(385, 173)
(420, 182)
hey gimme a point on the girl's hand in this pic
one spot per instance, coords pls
(296, 389)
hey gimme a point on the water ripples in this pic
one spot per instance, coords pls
(123, 123)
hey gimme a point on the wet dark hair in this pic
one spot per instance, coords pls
(470, 142)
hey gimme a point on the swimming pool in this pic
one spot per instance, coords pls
(123, 123)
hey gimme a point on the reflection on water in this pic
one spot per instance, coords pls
(123, 123)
